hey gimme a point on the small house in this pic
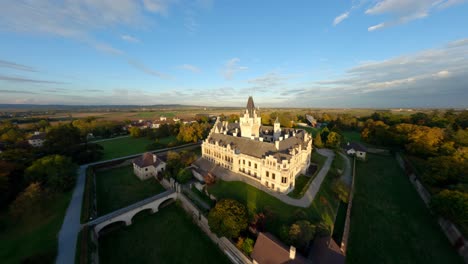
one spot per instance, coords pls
(269, 250)
(148, 165)
(356, 149)
(37, 139)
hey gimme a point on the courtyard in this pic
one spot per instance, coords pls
(119, 187)
(168, 236)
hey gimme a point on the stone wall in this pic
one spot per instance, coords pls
(454, 235)
(344, 240)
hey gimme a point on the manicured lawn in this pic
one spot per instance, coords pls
(318, 159)
(121, 147)
(322, 209)
(168, 236)
(389, 222)
(302, 182)
(119, 187)
(34, 236)
(350, 136)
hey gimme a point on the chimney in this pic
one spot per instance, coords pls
(154, 158)
(292, 252)
(252, 137)
(280, 138)
(225, 132)
(286, 136)
(277, 145)
(234, 134)
(261, 139)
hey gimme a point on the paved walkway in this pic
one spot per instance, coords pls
(308, 197)
(71, 224)
(346, 177)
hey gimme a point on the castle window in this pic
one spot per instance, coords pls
(250, 164)
(243, 161)
(283, 180)
(255, 165)
(273, 176)
(267, 174)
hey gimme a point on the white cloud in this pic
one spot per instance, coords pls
(442, 74)
(129, 38)
(190, 67)
(340, 18)
(231, 67)
(375, 27)
(157, 6)
(404, 11)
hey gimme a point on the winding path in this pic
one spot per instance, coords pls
(71, 224)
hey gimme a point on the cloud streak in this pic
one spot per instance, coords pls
(340, 18)
(16, 66)
(231, 67)
(20, 79)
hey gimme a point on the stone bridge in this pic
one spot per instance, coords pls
(127, 213)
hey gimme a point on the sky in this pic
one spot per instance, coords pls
(302, 53)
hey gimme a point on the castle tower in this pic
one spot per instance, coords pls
(276, 129)
(250, 122)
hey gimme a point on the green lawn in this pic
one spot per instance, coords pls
(389, 222)
(351, 136)
(34, 237)
(119, 187)
(322, 209)
(318, 159)
(340, 222)
(311, 130)
(302, 183)
(121, 147)
(168, 236)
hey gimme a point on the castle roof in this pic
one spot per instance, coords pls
(260, 149)
(250, 106)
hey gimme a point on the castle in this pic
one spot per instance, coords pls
(273, 156)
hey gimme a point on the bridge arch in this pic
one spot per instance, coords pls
(110, 227)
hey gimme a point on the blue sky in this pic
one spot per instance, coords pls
(375, 53)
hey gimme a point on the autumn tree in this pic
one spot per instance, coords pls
(228, 218)
(30, 200)
(333, 140)
(135, 132)
(452, 205)
(318, 140)
(300, 233)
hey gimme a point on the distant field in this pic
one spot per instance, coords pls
(119, 187)
(125, 146)
(155, 114)
(169, 236)
(35, 236)
(389, 222)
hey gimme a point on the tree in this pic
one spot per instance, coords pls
(135, 132)
(452, 205)
(228, 218)
(61, 140)
(341, 190)
(55, 172)
(246, 245)
(333, 140)
(183, 176)
(318, 140)
(300, 233)
(27, 201)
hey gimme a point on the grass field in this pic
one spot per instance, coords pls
(389, 222)
(34, 237)
(168, 236)
(119, 187)
(351, 136)
(302, 182)
(154, 114)
(125, 146)
(322, 209)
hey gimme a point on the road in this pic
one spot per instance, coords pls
(346, 177)
(71, 224)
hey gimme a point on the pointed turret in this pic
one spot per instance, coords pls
(250, 106)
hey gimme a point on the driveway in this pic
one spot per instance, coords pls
(346, 177)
